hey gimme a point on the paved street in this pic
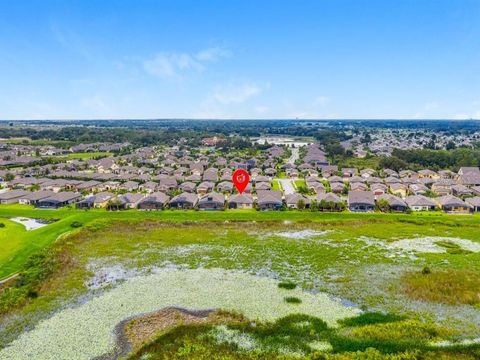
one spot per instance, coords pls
(295, 156)
(287, 186)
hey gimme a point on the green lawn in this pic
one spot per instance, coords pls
(361, 163)
(276, 185)
(26, 243)
(299, 183)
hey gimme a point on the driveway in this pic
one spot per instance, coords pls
(287, 186)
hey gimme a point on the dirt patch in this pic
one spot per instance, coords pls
(133, 333)
(144, 329)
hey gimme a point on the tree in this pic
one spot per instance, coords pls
(9, 177)
(392, 162)
(450, 145)
(383, 205)
(334, 149)
(301, 204)
(303, 190)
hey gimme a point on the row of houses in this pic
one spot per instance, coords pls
(357, 201)
(365, 201)
(214, 180)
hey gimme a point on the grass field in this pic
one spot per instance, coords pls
(14, 253)
(300, 183)
(362, 259)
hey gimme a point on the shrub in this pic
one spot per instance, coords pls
(2, 225)
(292, 300)
(76, 224)
(370, 318)
(426, 270)
(287, 285)
(36, 270)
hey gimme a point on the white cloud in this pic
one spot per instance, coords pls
(174, 65)
(212, 54)
(170, 65)
(230, 101)
(235, 93)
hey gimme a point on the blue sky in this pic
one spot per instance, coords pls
(239, 59)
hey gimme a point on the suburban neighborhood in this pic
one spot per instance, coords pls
(282, 177)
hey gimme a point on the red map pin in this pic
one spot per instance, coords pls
(240, 178)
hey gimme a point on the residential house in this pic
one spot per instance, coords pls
(469, 176)
(12, 197)
(453, 204)
(358, 186)
(366, 173)
(378, 189)
(148, 187)
(263, 186)
(210, 175)
(420, 203)
(395, 203)
(99, 200)
(184, 201)
(154, 201)
(33, 197)
(125, 201)
(269, 200)
(188, 186)
(337, 187)
(240, 201)
(59, 200)
(328, 170)
(329, 201)
(212, 201)
(349, 172)
(399, 189)
(468, 170)
(443, 187)
(361, 201)
(417, 189)
(461, 190)
(430, 174)
(474, 202)
(225, 187)
(130, 186)
(292, 200)
(90, 185)
(205, 187)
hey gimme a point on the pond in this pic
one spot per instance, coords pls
(31, 224)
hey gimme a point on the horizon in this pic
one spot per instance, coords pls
(242, 119)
